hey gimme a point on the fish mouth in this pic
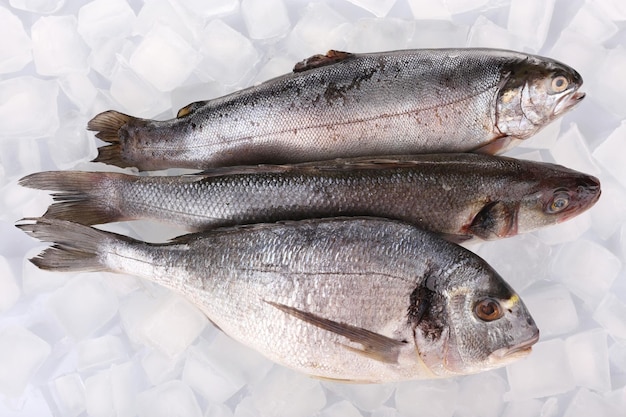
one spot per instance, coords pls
(517, 351)
(589, 191)
(568, 102)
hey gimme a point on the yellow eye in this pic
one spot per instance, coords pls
(559, 84)
(559, 202)
(488, 309)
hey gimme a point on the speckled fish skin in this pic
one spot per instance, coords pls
(353, 299)
(350, 105)
(458, 195)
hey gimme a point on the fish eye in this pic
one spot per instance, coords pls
(488, 309)
(559, 84)
(559, 202)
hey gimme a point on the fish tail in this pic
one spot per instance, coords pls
(81, 197)
(109, 126)
(75, 247)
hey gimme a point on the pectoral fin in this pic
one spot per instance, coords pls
(374, 346)
(317, 61)
(496, 220)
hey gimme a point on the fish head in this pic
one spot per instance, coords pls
(534, 92)
(558, 196)
(472, 321)
(550, 194)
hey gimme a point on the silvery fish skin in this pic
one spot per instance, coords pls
(458, 195)
(349, 105)
(352, 299)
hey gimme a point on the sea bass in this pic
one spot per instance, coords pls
(348, 105)
(352, 299)
(457, 195)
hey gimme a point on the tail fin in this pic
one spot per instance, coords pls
(83, 197)
(108, 125)
(75, 247)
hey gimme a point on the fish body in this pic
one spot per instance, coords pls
(458, 195)
(358, 299)
(349, 105)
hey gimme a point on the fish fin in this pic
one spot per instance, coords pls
(75, 247)
(495, 220)
(190, 108)
(82, 198)
(319, 60)
(341, 380)
(108, 124)
(375, 346)
(498, 146)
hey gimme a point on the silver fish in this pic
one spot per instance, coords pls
(457, 195)
(352, 299)
(348, 105)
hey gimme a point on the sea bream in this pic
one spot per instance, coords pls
(349, 105)
(351, 299)
(457, 195)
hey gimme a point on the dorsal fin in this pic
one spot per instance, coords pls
(190, 108)
(317, 61)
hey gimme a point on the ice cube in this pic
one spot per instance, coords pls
(436, 398)
(240, 359)
(553, 309)
(588, 355)
(228, 56)
(9, 290)
(172, 398)
(136, 95)
(28, 108)
(341, 409)
(571, 150)
(57, 47)
(15, 49)
(530, 21)
(586, 268)
(219, 410)
(80, 90)
(593, 23)
(366, 397)
(265, 19)
(99, 395)
(38, 6)
(579, 52)
(100, 352)
(611, 314)
(546, 371)
(614, 8)
(438, 34)
(101, 20)
(550, 408)
(106, 58)
(245, 408)
(463, 6)
(164, 58)
(171, 13)
(284, 392)
(429, 10)
(21, 355)
(611, 85)
(213, 8)
(486, 34)
(617, 356)
(319, 29)
(520, 260)
(173, 325)
(208, 376)
(378, 8)
(523, 408)
(376, 35)
(586, 403)
(70, 393)
(124, 389)
(273, 68)
(489, 387)
(160, 367)
(608, 154)
(83, 306)
(386, 412)
(567, 231)
(70, 144)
